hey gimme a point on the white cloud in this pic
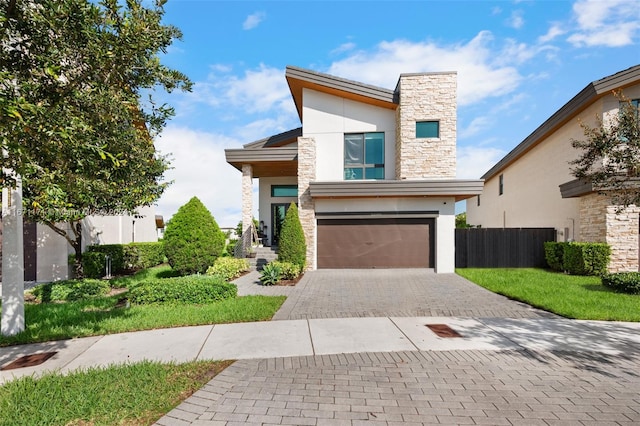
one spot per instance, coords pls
(476, 126)
(344, 47)
(200, 169)
(474, 161)
(555, 30)
(480, 76)
(516, 20)
(258, 90)
(611, 23)
(253, 20)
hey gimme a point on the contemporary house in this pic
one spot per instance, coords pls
(532, 186)
(372, 171)
(46, 254)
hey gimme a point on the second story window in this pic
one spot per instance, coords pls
(501, 185)
(364, 156)
(427, 129)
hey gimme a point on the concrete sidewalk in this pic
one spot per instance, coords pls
(295, 338)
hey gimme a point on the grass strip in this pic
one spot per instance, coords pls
(57, 321)
(133, 394)
(571, 296)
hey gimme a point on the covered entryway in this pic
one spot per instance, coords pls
(376, 243)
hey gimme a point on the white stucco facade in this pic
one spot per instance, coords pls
(327, 118)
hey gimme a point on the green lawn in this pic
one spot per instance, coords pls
(99, 316)
(566, 295)
(135, 394)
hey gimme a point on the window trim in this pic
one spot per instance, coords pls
(437, 122)
(282, 186)
(363, 166)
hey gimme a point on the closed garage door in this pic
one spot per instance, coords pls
(375, 243)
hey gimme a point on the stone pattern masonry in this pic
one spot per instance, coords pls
(600, 222)
(306, 208)
(247, 196)
(426, 97)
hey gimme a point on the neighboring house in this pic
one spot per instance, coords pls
(372, 171)
(46, 253)
(532, 186)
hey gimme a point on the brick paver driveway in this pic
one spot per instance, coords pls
(514, 387)
(396, 292)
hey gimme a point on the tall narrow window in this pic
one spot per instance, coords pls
(364, 156)
(501, 185)
(478, 201)
(427, 129)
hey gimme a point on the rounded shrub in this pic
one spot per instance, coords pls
(624, 282)
(71, 290)
(292, 246)
(192, 239)
(229, 268)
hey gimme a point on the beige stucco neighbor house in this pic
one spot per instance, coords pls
(532, 186)
(46, 253)
(372, 171)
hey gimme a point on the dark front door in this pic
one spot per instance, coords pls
(376, 243)
(278, 212)
(30, 250)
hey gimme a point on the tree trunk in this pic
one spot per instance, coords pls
(78, 270)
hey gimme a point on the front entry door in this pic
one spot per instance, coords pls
(278, 212)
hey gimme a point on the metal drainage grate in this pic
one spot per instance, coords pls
(29, 361)
(443, 330)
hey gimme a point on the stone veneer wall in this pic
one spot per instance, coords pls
(426, 97)
(306, 205)
(247, 196)
(601, 223)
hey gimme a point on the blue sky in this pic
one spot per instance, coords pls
(517, 63)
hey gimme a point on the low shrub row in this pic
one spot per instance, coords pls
(123, 257)
(70, 290)
(624, 282)
(228, 268)
(578, 258)
(193, 289)
(276, 271)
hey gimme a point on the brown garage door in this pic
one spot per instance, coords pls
(375, 243)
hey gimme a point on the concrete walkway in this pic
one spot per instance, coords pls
(380, 363)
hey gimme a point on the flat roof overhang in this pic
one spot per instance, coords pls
(460, 189)
(579, 187)
(266, 162)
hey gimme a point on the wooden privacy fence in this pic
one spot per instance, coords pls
(502, 247)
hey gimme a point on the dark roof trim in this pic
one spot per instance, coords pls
(585, 97)
(300, 77)
(458, 188)
(237, 157)
(575, 188)
(280, 139)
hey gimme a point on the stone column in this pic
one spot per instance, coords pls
(426, 97)
(12, 262)
(247, 196)
(306, 205)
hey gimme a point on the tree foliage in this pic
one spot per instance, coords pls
(192, 239)
(610, 157)
(77, 116)
(291, 244)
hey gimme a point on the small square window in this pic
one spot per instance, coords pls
(427, 129)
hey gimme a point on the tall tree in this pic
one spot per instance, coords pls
(77, 113)
(610, 157)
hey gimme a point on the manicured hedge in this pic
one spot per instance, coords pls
(624, 282)
(554, 254)
(124, 257)
(578, 258)
(70, 290)
(192, 289)
(228, 268)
